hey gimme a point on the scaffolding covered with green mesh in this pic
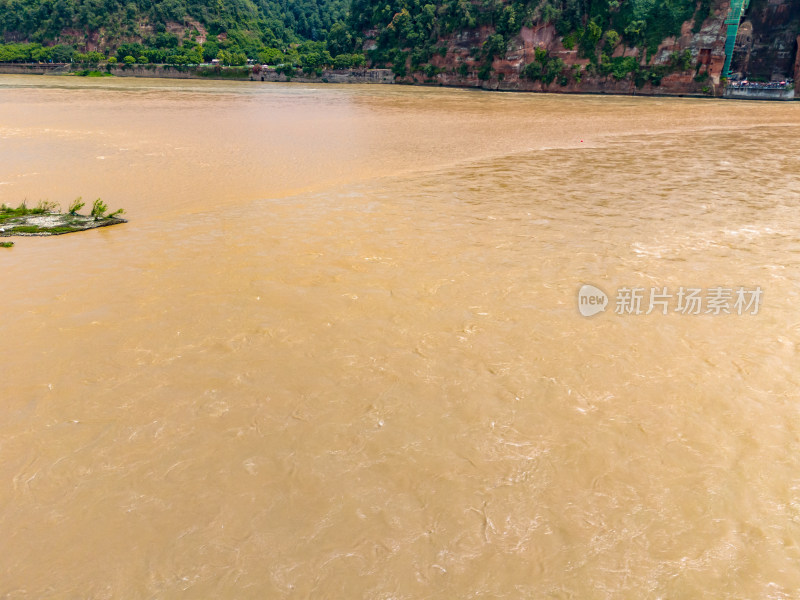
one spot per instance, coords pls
(732, 21)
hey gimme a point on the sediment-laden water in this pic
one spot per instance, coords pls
(337, 352)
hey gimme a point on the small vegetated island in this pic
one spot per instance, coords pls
(46, 218)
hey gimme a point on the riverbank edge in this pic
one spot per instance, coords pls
(383, 76)
(360, 76)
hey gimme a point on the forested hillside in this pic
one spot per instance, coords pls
(264, 20)
(574, 45)
(418, 24)
(173, 30)
(409, 34)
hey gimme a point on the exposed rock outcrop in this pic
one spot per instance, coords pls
(766, 46)
(707, 48)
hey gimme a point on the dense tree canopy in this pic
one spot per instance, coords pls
(408, 33)
(248, 22)
(178, 31)
(315, 33)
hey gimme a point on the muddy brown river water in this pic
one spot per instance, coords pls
(337, 351)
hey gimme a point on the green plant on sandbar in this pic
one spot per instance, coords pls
(76, 205)
(99, 209)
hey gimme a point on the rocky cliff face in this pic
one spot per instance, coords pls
(707, 48)
(767, 47)
(797, 59)
(688, 63)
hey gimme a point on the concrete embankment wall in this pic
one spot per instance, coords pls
(241, 74)
(759, 94)
(26, 69)
(233, 74)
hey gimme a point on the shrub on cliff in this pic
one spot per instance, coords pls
(544, 68)
(495, 45)
(618, 67)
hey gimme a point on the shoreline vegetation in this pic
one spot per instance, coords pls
(46, 219)
(445, 42)
(205, 71)
(781, 91)
(266, 73)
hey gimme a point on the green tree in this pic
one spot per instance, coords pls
(271, 56)
(94, 57)
(41, 54)
(62, 53)
(210, 51)
(340, 40)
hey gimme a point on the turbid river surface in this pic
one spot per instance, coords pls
(337, 352)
